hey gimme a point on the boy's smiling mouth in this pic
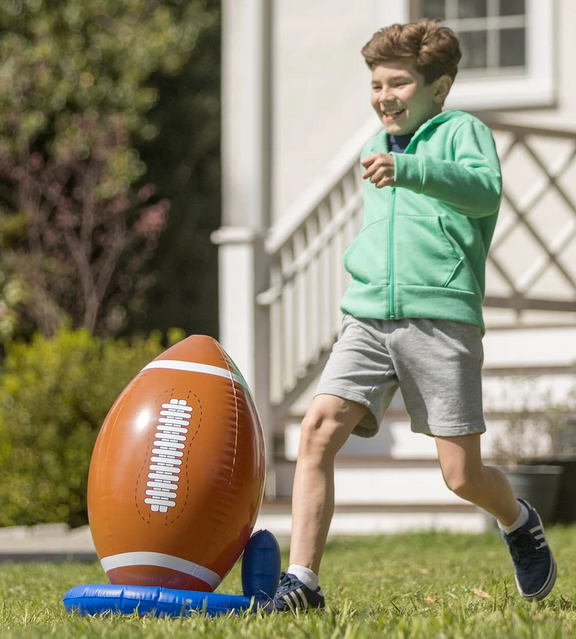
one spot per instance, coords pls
(391, 114)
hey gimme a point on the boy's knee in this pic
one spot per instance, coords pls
(316, 428)
(463, 482)
(319, 432)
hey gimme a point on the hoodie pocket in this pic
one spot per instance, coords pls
(366, 259)
(424, 255)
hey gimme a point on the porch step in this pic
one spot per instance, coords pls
(379, 495)
(394, 441)
(380, 481)
(530, 350)
(354, 520)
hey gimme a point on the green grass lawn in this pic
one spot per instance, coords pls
(414, 585)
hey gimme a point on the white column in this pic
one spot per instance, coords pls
(246, 113)
(246, 197)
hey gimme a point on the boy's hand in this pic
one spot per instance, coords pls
(379, 169)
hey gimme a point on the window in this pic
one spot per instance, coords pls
(492, 33)
(507, 49)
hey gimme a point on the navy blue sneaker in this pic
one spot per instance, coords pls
(534, 565)
(293, 595)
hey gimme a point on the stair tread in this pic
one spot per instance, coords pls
(377, 461)
(283, 504)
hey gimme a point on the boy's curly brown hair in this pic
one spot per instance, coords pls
(434, 50)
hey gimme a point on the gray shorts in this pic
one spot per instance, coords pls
(437, 364)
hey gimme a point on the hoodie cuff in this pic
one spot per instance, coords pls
(409, 172)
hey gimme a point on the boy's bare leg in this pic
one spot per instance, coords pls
(325, 428)
(534, 566)
(465, 474)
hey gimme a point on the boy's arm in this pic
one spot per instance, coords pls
(471, 184)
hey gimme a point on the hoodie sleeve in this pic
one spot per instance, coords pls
(471, 184)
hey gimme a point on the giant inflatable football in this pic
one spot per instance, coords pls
(177, 474)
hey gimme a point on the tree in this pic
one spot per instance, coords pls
(75, 229)
(184, 162)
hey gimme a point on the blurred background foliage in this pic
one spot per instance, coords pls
(54, 395)
(109, 165)
(109, 190)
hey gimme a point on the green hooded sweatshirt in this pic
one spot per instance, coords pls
(421, 250)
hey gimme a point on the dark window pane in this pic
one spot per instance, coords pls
(434, 9)
(473, 45)
(512, 48)
(472, 8)
(512, 7)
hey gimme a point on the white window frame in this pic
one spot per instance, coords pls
(533, 86)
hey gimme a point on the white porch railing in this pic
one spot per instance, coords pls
(532, 261)
(307, 278)
(532, 265)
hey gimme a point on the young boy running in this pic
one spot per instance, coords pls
(413, 312)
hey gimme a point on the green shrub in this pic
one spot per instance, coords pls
(54, 395)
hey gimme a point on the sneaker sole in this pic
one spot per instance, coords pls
(545, 590)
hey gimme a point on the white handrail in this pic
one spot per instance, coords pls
(312, 197)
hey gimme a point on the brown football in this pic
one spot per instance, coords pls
(177, 475)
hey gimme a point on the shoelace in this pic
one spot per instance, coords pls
(284, 587)
(523, 547)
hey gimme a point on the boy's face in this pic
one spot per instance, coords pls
(401, 98)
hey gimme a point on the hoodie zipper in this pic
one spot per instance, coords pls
(391, 253)
(435, 121)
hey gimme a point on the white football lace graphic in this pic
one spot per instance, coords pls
(164, 468)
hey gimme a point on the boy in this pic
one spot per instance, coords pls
(413, 312)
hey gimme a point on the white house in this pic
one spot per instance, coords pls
(296, 113)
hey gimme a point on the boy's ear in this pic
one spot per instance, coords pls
(442, 88)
